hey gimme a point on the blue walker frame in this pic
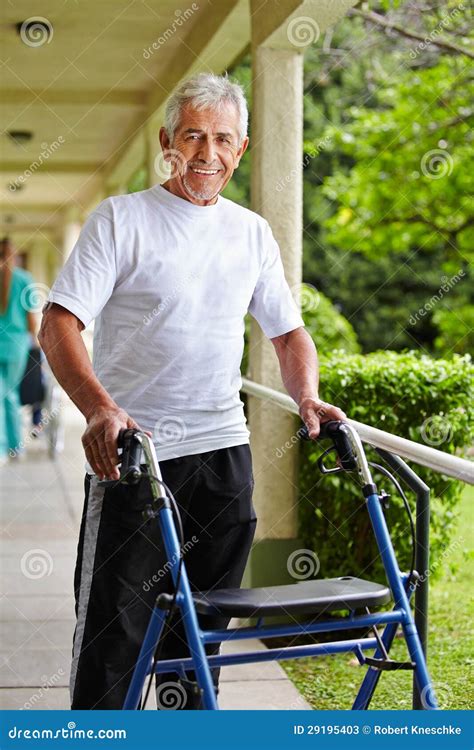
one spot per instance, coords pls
(401, 615)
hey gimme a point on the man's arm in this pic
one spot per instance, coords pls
(300, 374)
(61, 340)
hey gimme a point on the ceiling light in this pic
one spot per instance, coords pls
(20, 136)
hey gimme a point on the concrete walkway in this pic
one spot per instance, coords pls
(40, 508)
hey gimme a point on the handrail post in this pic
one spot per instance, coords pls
(422, 549)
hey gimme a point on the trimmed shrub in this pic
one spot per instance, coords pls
(407, 394)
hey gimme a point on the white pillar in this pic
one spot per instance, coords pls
(38, 259)
(278, 42)
(157, 168)
(276, 143)
(277, 136)
(70, 235)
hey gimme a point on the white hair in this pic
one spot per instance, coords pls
(206, 91)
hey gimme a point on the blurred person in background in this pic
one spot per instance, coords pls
(17, 334)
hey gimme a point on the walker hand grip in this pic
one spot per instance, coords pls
(331, 430)
(130, 471)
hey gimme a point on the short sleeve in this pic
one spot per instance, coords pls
(272, 304)
(88, 277)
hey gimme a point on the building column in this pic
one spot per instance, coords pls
(278, 42)
(70, 233)
(38, 259)
(157, 169)
(276, 189)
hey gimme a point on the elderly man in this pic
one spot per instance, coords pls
(168, 274)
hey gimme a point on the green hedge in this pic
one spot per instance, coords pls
(410, 395)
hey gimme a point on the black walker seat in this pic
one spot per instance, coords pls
(307, 597)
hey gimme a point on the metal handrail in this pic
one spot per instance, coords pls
(444, 463)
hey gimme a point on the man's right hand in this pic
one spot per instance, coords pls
(100, 440)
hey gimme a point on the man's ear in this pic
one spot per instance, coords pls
(165, 142)
(243, 147)
(241, 151)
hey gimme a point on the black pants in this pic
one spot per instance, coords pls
(121, 568)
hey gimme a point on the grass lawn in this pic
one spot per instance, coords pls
(332, 682)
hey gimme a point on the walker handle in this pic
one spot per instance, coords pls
(331, 430)
(130, 471)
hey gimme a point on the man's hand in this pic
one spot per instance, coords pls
(100, 440)
(313, 411)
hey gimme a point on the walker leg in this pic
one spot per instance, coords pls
(422, 677)
(401, 601)
(188, 611)
(372, 676)
(145, 659)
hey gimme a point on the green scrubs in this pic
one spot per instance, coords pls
(14, 346)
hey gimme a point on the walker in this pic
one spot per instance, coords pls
(308, 603)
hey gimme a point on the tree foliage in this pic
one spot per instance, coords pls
(387, 180)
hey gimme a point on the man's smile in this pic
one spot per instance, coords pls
(202, 172)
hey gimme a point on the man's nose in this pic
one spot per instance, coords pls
(207, 151)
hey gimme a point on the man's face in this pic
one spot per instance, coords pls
(204, 153)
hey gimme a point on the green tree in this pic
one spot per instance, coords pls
(386, 220)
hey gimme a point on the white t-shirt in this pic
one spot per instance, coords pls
(168, 284)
